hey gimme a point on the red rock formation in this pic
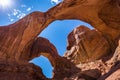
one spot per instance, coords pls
(102, 15)
(40, 46)
(16, 37)
(114, 66)
(85, 45)
(14, 40)
(13, 71)
(19, 41)
(62, 67)
(109, 69)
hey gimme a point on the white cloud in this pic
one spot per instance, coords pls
(9, 17)
(11, 20)
(28, 9)
(21, 15)
(55, 1)
(16, 12)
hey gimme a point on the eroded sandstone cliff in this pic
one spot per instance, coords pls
(85, 45)
(92, 54)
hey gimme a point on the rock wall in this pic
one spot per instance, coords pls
(19, 43)
(85, 45)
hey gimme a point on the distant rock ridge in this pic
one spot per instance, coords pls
(95, 50)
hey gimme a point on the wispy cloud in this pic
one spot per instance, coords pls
(56, 1)
(28, 9)
(9, 17)
(21, 15)
(11, 20)
(16, 14)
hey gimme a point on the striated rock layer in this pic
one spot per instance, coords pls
(85, 45)
(19, 42)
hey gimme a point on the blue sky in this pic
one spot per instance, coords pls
(56, 32)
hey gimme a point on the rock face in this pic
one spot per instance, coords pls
(16, 37)
(105, 70)
(13, 71)
(41, 46)
(19, 42)
(48, 50)
(85, 45)
(114, 64)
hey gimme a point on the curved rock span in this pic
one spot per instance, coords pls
(19, 42)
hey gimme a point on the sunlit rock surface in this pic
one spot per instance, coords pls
(85, 45)
(19, 43)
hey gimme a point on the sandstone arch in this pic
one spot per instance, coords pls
(16, 39)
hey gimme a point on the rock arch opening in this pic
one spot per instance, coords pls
(44, 64)
(58, 31)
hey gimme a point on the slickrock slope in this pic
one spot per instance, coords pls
(19, 42)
